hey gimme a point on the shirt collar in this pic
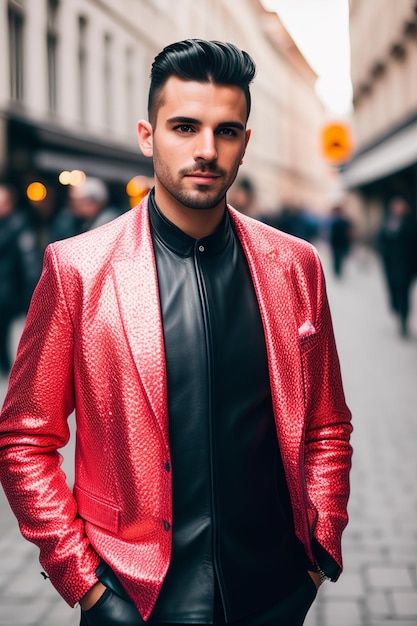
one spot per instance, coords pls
(179, 242)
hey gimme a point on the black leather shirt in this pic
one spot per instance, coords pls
(232, 518)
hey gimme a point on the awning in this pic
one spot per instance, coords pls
(392, 155)
(50, 161)
(51, 148)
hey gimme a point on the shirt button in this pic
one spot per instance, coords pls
(167, 466)
(201, 248)
(167, 525)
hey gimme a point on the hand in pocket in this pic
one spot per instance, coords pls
(111, 610)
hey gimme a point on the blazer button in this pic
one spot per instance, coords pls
(167, 525)
(167, 466)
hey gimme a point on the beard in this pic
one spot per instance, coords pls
(202, 197)
(198, 199)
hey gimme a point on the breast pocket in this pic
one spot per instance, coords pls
(309, 343)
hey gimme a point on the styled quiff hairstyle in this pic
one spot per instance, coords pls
(202, 61)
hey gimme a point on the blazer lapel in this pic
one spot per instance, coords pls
(272, 281)
(138, 298)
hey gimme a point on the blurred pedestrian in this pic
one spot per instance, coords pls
(195, 343)
(20, 267)
(297, 221)
(242, 196)
(88, 208)
(340, 237)
(42, 214)
(398, 247)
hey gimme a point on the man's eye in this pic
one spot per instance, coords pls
(227, 132)
(184, 128)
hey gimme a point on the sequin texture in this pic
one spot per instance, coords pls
(93, 341)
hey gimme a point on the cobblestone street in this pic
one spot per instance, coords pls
(379, 583)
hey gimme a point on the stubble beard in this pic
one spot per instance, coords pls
(200, 198)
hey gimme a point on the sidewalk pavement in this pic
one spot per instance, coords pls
(379, 584)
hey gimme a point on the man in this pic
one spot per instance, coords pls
(340, 238)
(88, 208)
(397, 242)
(188, 338)
(242, 196)
(20, 267)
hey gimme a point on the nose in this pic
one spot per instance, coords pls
(205, 146)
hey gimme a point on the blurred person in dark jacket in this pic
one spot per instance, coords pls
(296, 221)
(88, 208)
(19, 268)
(42, 214)
(398, 248)
(340, 237)
(242, 196)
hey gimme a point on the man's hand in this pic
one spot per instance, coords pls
(92, 596)
(315, 577)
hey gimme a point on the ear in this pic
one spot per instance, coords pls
(145, 138)
(247, 137)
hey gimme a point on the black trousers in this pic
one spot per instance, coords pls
(111, 610)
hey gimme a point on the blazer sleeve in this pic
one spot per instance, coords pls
(33, 427)
(327, 453)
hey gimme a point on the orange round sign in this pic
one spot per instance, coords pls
(336, 142)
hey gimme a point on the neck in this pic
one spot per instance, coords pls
(196, 223)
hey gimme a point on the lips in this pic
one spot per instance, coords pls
(203, 177)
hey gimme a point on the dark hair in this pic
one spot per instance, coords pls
(203, 61)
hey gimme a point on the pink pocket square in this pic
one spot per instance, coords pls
(306, 329)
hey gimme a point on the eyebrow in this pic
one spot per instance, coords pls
(237, 125)
(179, 119)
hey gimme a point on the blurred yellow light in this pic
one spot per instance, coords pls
(137, 188)
(336, 140)
(36, 191)
(134, 201)
(64, 177)
(132, 188)
(77, 177)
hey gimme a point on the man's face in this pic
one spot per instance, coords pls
(83, 207)
(6, 203)
(198, 142)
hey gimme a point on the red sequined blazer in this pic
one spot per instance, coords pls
(93, 341)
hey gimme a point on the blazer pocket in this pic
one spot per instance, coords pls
(309, 342)
(97, 511)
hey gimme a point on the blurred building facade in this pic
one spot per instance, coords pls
(383, 37)
(74, 79)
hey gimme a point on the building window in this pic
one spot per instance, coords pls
(107, 70)
(52, 47)
(16, 27)
(82, 67)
